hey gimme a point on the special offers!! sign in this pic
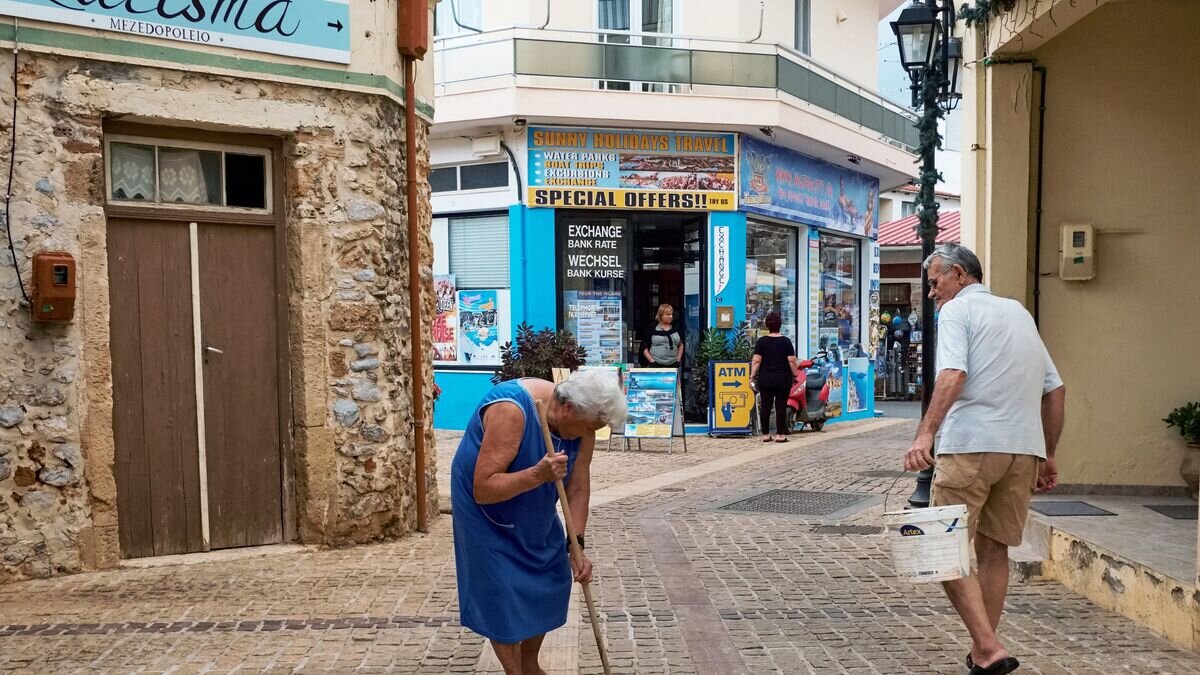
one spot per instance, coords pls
(310, 29)
(627, 169)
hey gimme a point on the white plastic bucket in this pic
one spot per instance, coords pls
(929, 545)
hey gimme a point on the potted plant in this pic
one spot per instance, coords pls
(536, 353)
(1186, 418)
(741, 347)
(719, 345)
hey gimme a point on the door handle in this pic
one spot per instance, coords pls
(213, 350)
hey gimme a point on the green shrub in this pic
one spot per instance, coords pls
(538, 353)
(1186, 418)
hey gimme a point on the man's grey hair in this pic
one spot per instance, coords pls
(595, 394)
(957, 254)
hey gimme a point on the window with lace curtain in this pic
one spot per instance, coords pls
(169, 173)
(628, 22)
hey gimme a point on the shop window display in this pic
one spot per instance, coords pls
(840, 279)
(771, 276)
(594, 269)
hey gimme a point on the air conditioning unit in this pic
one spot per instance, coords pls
(487, 146)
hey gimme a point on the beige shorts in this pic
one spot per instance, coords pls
(995, 487)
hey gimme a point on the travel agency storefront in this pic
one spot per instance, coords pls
(617, 222)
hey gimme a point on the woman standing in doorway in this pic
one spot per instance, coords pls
(776, 369)
(663, 346)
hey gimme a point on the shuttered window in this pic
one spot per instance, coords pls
(895, 294)
(479, 252)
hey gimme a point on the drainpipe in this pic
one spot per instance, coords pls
(762, 13)
(454, 15)
(1037, 244)
(512, 160)
(1037, 228)
(414, 289)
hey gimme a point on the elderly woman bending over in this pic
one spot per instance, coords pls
(514, 574)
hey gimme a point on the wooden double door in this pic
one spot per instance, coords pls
(199, 407)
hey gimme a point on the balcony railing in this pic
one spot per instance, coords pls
(660, 63)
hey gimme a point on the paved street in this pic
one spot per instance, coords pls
(682, 588)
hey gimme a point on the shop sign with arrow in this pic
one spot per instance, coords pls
(730, 398)
(309, 29)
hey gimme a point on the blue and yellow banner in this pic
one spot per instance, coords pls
(310, 29)
(575, 167)
(786, 184)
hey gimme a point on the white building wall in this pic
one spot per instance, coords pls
(457, 150)
(844, 36)
(843, 32)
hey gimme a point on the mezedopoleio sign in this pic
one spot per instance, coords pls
(310, 29)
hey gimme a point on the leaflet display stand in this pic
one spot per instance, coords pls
(655, 403)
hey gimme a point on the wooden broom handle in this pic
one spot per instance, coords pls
(572, 541)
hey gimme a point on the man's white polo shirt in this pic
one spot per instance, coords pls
(995, 342)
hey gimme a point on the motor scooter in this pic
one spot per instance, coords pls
(807, 401)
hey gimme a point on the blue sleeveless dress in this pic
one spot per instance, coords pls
(514, 576)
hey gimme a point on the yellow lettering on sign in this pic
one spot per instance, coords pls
(560, 139)
(631, 141)
(555, 194)
(704, 144)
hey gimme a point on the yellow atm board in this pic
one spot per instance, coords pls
(730, 398)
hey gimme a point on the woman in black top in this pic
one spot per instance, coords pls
(776, 368)
(663, 346)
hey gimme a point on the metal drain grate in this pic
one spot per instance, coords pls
(796, 502)
(881, 473)
(846, 529)
(1175, 511)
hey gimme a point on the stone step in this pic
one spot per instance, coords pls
(1031, 560)
(1026, 564)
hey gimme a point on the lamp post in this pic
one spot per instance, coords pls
(931, 55)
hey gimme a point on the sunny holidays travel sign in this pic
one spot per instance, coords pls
(632, 169)
(311, 29)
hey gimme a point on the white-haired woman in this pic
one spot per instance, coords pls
(514, 574)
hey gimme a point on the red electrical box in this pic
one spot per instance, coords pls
(53, 286)
(412, 31)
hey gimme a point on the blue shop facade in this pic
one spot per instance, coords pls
(608, 224)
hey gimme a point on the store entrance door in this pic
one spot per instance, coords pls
(617, 268)
(666, 270)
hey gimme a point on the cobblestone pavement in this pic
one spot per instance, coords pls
(682, 587)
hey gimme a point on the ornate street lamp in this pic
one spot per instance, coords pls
(954, 63)
(916, 32)
(930, 54)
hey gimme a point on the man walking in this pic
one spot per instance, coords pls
(998, 403)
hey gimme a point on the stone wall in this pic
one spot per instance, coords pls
(352, 437)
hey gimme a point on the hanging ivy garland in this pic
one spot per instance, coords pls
(974, 15)
(931, 140)
(984, 10)
(977, 14)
